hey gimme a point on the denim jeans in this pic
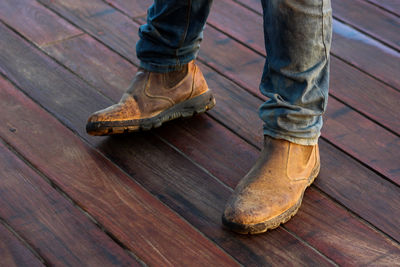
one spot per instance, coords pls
(295, 77)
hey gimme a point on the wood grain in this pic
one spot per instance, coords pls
(337, 184)
(216, 167)
(130, 213)
(370, 149)
(51, 224)
(371, 248)
(203, 140)
(357, 205)
(163, 171)
(369, 19)
(101, 21)
(344, 184)
(348, 44)
(36, 22)
(13, 252)
(136, 8)
(362, 15)
(106, 71)
(369, 96)
(391, 5)
(351, 86)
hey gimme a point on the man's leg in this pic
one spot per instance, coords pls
(173, 33)
(168, 84)
(296, 80)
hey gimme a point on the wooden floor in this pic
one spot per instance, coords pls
(156, 198)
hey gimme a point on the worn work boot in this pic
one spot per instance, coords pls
(152, 99)
(272, 191)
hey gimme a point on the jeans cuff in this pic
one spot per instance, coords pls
(297, 140)
(154, 67)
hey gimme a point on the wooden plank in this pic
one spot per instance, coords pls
(391, 5)
(345, 80)
(254, 5)
(50, 223)
(372, 249)
(202, 141)
(101, 21)
(35, 21)
(240, 125)
(174, 179)
(229, 111)
(363, 139)
(346, 242)
(13, 252)
(344, 127)
(369, 19)
(367, 95)
(131, 214)
(136, 8)
(361, 149)
(112, 73)
(360, 50)
(374, 21)
(348, 44)
(355, 186)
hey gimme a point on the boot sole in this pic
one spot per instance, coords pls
(273, 223)
(188, 108)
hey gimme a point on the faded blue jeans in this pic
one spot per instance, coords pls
(295, 78)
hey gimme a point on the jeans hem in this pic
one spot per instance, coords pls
(166, 68)
(297, 140)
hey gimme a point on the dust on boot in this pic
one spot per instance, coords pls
(152, 99)
(272, 191)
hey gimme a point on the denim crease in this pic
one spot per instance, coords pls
(295, 77)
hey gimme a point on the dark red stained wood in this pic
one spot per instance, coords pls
(36, 22)
(136, 8)
(368, 18)
(200, 199)
(165, 172)
(391, 5)
(60, 233)
(102, 21)
(372, 249)
(362, 15)
(348, 44)
(360, 50)
(255, 5)
(338, 185)
(230, 20)
(92, 181)
(374, 146)
(347, 129)
(229, 158)
(355, 134)
(12, 251)
(365, 94)
(363, 151)
(257, 136)
(362, 92)
(84, 55)
(371, 97)
(211, 145)
(112, 73)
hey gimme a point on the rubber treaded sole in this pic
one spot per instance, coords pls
(185, 109)
(271, 223)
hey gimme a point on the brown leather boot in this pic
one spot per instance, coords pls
(272, 191)
(152, 99)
